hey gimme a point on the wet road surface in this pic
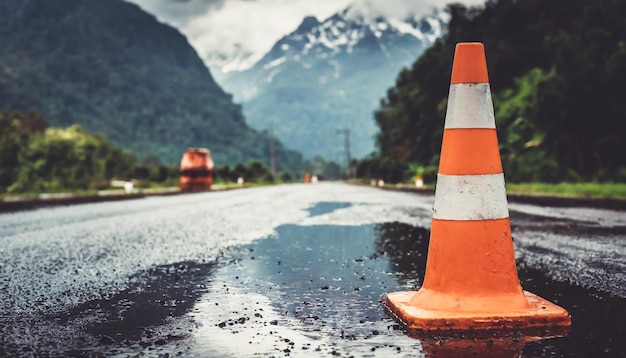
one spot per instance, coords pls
(292, 270)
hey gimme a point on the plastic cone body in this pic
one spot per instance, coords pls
(471, 279)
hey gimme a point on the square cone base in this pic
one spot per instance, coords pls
(541, 318)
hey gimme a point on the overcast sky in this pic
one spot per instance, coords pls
(224, 25)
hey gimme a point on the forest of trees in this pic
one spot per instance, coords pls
(35, 158)
(557, 71)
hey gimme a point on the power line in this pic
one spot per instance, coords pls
(272, 153)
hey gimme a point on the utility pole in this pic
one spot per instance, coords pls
(272, 154)
(346, 144)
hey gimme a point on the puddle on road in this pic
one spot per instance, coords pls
(326, 207)
(319, 287)
(312, 289)
(306, 290)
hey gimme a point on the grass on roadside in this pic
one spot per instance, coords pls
(35, 195)
(574, 190)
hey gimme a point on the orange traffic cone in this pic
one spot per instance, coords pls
(471, 280)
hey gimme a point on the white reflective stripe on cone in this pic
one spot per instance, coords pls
(470, 106)
(470, 197)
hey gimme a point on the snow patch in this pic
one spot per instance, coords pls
(274, 63)
(406, 28)
(272, 74)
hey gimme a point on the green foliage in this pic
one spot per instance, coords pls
(37, 158)
(415, 171)
(15, 131)
(557, 72)
(114, 69)
(285, 177)
(239, 171)
(223, 174)
(522, 148)
(374, 167)
(255, 172)
(324, 170)
(578, 190)
(258, 172)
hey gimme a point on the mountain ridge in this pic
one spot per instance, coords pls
(330, 75)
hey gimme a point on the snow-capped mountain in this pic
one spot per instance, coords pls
(329, 75)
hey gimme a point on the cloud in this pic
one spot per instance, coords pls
(253, 25)
(219, 29)
(401, 9)
(178, 12)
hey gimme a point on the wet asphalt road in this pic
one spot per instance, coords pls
(292, 270)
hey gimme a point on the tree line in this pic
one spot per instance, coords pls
(38, 158)
(35, 157)
(556, 70)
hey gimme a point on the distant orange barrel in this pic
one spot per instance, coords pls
(196, 170)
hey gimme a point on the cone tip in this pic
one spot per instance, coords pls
(470, 64)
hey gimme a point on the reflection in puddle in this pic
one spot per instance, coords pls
(314, 288)
(493, 347)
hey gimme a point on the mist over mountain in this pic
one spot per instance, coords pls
(329, 75)
(116, 70)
